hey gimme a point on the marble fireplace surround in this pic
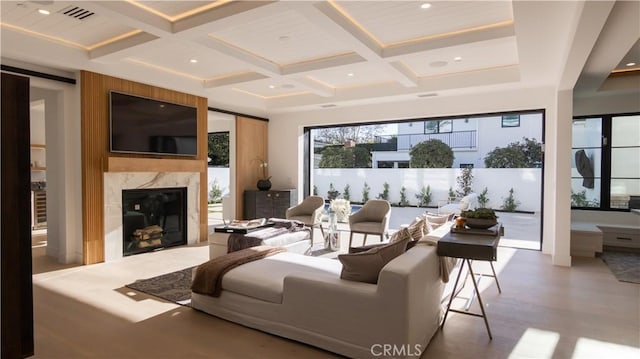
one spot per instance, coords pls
(115, 182)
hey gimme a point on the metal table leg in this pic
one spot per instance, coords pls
(476, 291)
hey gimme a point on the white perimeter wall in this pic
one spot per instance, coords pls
(526, 183)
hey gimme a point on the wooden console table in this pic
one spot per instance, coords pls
(470, 247)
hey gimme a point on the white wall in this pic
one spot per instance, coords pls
(286, 141)
(63, 159)
(526, 183)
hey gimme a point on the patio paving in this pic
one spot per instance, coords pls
(522, 230)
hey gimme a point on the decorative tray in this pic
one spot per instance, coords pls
(491, 231)
(238, 226)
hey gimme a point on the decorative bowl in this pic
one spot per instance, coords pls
(480, 223)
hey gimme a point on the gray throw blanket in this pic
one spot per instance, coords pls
(208, 277)
(239, 241)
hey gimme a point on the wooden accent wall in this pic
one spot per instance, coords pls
(96, 158)
(251, 146)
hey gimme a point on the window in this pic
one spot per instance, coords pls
(511, 121)
(385, 164)
(438, 126)
(218, 149)
(403, 164)
(605, 171)
(466, 165)
(625, 166)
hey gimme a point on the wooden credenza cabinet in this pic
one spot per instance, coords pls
(267, 204)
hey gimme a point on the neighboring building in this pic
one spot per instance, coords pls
(470, 138)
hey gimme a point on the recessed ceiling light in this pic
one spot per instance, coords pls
(457, 59)
(272, 86)
(631, 64)
(193, 61)
(425, 5)
(350, 74)
(43, 11)
(283, 38)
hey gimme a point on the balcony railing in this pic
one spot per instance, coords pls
(455, 140)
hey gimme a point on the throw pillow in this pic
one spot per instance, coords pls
(417, 228)
(436, 220)
(365, 266)
(401, 234)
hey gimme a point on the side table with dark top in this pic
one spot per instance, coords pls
(469, 247)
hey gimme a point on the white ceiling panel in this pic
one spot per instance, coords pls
(283, 39)
(352, 76)
(176, 56)
(394, 21)
(84, 32)
(174, 8)
(475, 56)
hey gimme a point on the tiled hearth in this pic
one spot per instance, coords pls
(115, 182)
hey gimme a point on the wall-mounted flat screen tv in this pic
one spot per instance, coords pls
(144, 125)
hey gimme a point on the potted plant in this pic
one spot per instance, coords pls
(480, 218)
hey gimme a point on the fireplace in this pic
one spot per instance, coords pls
(153, 218)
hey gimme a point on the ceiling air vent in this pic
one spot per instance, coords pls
(76, 12)
(328, 105)
(431, 94)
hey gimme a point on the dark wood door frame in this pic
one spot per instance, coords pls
(15, 226)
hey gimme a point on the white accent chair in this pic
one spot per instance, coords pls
(372, 218)
(309, 212)
(467, 202)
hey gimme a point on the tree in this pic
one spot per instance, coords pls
(343, 157)
(424, 196)
(218, 149)
(431, 154)
(464, 182)
(365, 192)
(340, 135)
(524, 154)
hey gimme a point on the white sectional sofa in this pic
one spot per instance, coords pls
(303, 298)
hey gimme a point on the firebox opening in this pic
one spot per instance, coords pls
(153, 219)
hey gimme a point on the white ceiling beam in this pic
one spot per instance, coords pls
(334, 61)
(217, 13)
(259, 64)
(112, 50)
(589, 23)
(233, 79)
(437, 42)
(618, 36)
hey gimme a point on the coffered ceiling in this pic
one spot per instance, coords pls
(264, 57)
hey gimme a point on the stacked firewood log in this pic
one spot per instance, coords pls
(148, 236)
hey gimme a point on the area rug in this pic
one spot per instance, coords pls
(624, 265)
(174, 287)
